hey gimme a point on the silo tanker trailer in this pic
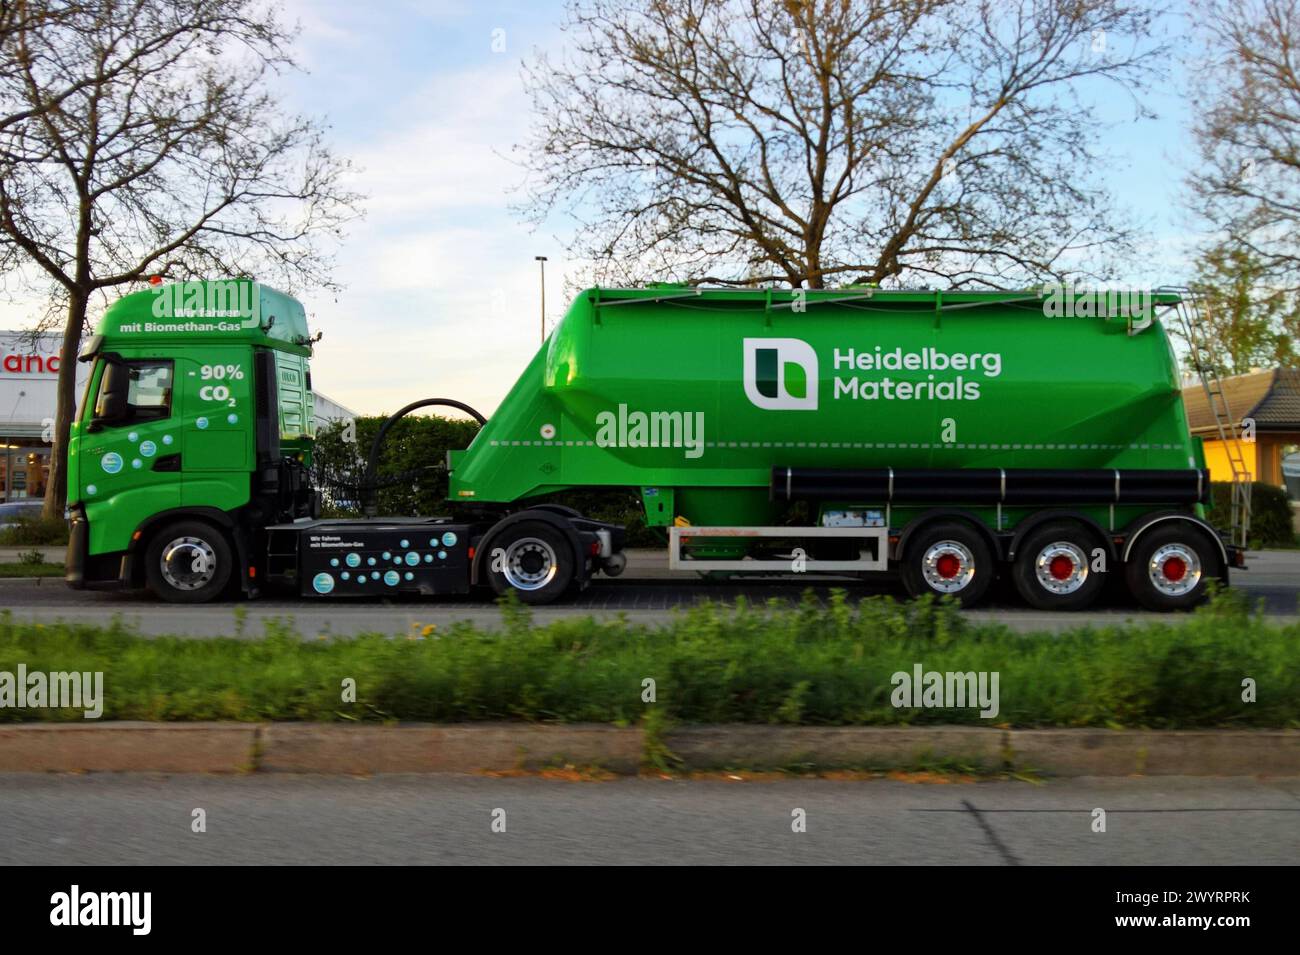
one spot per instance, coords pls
(948, 437)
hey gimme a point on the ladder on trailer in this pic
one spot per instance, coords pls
(1192, 325)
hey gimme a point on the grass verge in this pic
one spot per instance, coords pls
(43, 569)
(810, 665)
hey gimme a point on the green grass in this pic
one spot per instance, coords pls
(43, 569)
(808, 665)
(41, 531)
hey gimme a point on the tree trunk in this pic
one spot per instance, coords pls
(56, 488)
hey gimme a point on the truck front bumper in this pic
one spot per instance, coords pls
(93, 572)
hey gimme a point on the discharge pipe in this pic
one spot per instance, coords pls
(372, 463)
(993, 485)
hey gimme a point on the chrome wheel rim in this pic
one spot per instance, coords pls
(188, 563)
(1174, 570)
(948, 567)
(1061, 568)
(530, 564)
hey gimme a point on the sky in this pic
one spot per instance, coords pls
(440, 294)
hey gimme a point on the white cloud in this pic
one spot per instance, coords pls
(441, 291)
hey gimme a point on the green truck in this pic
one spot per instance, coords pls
(946, 437)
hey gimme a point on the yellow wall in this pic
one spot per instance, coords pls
(1216, 459)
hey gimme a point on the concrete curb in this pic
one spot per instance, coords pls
(1083, 752)
(128, 747)
(504, 747)
(430, 748)
(756, 747)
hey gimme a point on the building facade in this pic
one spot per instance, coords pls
(29, 374)
(1266, 405)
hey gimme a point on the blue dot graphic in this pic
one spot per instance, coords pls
(111, 462)
(345, 575)
(410, 576)
(133, 437)
(428, 558)
(323, 583)
(233, 418)
(137, 464)
(167, 439)
(391, 578)
(406, 543)
(148, 449)
(91, 489)
(442, 555)
(388, 555)
(375, 575)
(412, 558)
(370, 561)
(354, 560)
(200, 423)
(449, 539)
(334, 561)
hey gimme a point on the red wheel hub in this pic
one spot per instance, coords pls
(1061, 567)
(1174, 569)
(948, 566)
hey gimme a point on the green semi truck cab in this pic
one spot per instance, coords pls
(947, 437)
(198, 409)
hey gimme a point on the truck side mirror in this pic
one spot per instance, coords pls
(112, 405)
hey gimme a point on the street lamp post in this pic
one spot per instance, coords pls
(541, 261)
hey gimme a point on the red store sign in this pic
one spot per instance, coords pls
(16, 364)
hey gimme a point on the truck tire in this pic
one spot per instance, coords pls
(188, 562)
(1053, 567)
(532, 559)
(948, 558)
(1170, 566)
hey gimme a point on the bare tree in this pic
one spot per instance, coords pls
(1247, 129)
(141, 137)
(807, 141)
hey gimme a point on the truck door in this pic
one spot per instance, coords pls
(217, 434)
(123, 453)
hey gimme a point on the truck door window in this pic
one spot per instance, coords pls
(149, 397)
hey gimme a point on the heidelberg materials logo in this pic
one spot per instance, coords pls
(781, 374)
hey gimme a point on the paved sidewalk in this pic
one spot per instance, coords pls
(447, 819)
(54, 553)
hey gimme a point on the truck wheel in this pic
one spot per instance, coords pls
(1053, 568)
(534, 560)
(948, 558)
(1169, 567)
(188, 562)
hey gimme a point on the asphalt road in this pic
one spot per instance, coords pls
(647, 592)
(124, 819)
